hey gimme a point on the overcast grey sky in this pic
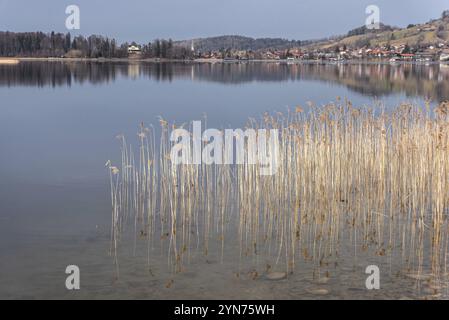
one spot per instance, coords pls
(145, 20)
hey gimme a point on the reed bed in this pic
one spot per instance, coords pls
(368, 178)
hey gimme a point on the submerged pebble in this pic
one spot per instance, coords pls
(430, 291)
(435, 286)
(323, 280)
(356, 289)
(319, 292)
(421, 277)
(433, 297)
(276, 275)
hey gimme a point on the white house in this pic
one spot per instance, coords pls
(133, 49)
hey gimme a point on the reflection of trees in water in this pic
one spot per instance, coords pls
(57, 73)
(429, 81)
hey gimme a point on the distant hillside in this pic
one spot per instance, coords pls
(364, 30)
(433, 32)
(238, 43)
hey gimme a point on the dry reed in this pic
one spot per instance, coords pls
(381, 178)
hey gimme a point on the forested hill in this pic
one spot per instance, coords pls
(238, 43)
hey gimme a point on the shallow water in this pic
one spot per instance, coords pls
(58, 124)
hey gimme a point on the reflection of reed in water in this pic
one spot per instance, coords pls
(374, 180)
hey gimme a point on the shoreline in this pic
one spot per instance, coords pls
(9, 61)
(16, 60)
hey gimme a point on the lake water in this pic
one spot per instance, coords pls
(58, 123)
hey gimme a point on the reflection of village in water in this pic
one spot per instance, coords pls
(414, 80)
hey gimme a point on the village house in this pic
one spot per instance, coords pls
(133, 49)
(407, 56)
(444, 56)
(426, 55)
(270, 55)
(295, 53)
(429, 29)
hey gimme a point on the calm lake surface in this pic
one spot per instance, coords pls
(58, 123)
